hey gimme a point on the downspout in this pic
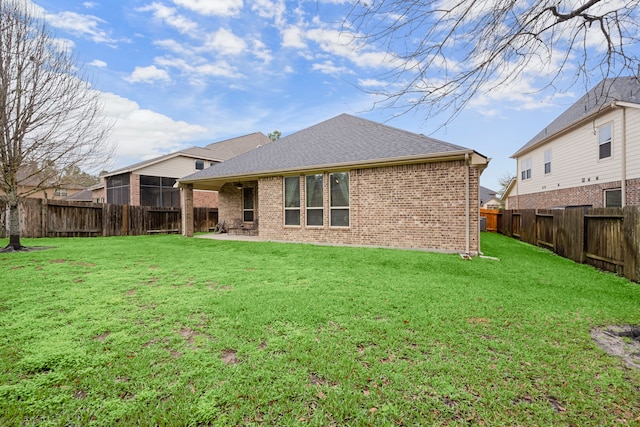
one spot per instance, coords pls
(467, 210)
(623, 149)
(623, 153)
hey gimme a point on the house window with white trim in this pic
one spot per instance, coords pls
(547, 162)
(315, 200)
(613, 198)
(199, 165)
(248, 204)
(525, 167)
(292, 200)
(604, 141)
(339, 199)
(60, 192)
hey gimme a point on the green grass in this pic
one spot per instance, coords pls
(163, 330)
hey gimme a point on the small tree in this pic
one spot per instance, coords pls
(441, 53)
(50, 118)
(504, 181)
(275, 135)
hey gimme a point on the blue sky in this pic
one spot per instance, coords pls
(179, 73)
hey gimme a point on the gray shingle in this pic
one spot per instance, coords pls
(625, 89)
(341, 140)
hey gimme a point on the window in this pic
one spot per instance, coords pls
(199, 165)
(604, 141)
(613, 198)
(339, 203)
(60, 192)
(118, 189)
(315, 200)
(547, 162)
(525, 168)
(247, 204)
(292, 200)
(158, 192)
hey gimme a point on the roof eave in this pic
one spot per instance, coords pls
(569, 128)
(215, 183)
(161, 159)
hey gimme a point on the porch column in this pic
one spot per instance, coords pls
(186, 203)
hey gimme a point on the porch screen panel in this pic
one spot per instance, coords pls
(339, 186)
(315, 200)
(292, 200)
(118, 189)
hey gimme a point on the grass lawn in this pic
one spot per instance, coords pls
(163, 330)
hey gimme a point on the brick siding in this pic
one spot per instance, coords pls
(409, 206)
(134, 189)
(205, 199)
(592, 195)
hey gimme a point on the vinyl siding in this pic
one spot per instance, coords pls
(574, 156)
(176, 167)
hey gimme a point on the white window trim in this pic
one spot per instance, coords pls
(548, 157)
(610, 141)
(299, 208)
(332, 207)
(525, 169)
(307, 208)
(254, 204)
(604, 195)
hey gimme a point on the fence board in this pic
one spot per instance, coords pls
(491, 216)
(607, 238)
(61, 218)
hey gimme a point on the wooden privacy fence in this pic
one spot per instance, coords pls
(607, 238)
(491, 217)
(58, 218)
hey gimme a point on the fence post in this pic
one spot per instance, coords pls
(125, 220)
(44, 218)
(631, 224)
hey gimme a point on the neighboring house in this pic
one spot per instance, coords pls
(350, 181)
(34, 184)
(489, 199)
(588, 156)
(151, 183)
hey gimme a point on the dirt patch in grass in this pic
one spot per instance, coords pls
(229, 357)
(102, 337)
(620, 341)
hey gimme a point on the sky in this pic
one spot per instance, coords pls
(181, 73)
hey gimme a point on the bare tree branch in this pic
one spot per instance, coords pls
(445, 52)
(50, 118)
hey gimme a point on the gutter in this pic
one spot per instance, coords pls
(453, 155)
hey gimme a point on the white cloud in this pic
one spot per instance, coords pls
(212, 7)
(225, 42)
(293, 37)
(329, 68)
(261, 51)
(196, 71)
(171, 17)
(149, 74)
(141, 134)
(80, 25)
(97, 63)
(270, 9)
(89, 4)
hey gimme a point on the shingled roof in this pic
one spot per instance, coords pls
(217, 151)
(342, 141)
(623, 89)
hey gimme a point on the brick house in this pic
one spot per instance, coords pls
(350, 181)
(588, 156)
(152, 182)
